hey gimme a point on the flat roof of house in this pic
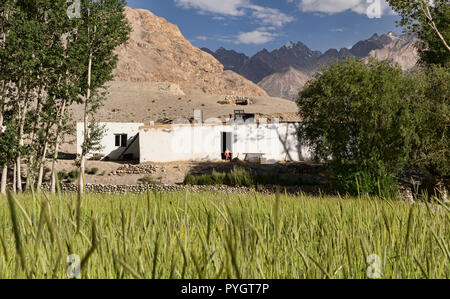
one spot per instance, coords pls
(168, 126)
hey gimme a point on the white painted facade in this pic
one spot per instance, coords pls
(199, 142)
(278, 142)
(108, 142)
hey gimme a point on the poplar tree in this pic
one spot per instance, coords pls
(102, 28)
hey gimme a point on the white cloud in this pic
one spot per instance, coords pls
(338, 6)
(270, 16)
(237, 8)
(224, 7)
(255, 37)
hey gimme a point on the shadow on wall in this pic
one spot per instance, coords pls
(291, 146)
(121, 153)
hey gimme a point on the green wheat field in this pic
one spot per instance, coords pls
(206, 235)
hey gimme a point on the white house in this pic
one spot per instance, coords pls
(200, 141)
(117, 141)
(277, 142)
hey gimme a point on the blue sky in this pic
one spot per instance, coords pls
(250, 25)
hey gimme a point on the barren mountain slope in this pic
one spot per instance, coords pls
(285, 84)
(401, 51)
(158, 52)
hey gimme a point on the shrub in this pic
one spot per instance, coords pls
(239, 177)
(357, 118)
(147, 180)
(431, 147)
(62, 175)
(74, 174)
(189, 180)
(92, 171)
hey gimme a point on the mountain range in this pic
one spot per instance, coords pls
(283, 72)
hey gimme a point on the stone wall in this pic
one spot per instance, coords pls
(122, 189)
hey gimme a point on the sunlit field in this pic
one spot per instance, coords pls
(205, 235)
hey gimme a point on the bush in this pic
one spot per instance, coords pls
(74, 174)
(147, 180)
(357, 118)
(364, 182)
(62, 175)
(239, 177)
(190, 180)
(92, 171)
(431, 147)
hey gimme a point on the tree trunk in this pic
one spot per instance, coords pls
(41, 167)
(86, 127)
(21, 144)
(55, 155)
(14, 179)
(427, 12)
(4, 179)
(4, 167)
(34, 150)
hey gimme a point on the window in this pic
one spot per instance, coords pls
(121, 140)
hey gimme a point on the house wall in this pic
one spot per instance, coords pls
(279, 142)
(110, 150)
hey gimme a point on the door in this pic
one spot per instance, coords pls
(227, 144)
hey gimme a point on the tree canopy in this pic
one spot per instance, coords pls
(431, 21)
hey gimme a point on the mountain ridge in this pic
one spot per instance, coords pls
(158, 52)
(295, 62)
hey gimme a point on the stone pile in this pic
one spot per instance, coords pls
(135, 169)
(239, 100)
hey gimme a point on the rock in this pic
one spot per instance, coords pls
(157, 52)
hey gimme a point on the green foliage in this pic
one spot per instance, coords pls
(92, 171)
(44, 62)
(62, 175)
(431, 108)
(239, 177)
(185, 235)
(356, 117)
(414, 18)
(74, 174)
(92, 141)
(355, 181)
(8, 140)
(147, 180)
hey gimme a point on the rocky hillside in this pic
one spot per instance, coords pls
(230, 59)
(401, 51)
(362, 48)
(285, 84)
(158, 52)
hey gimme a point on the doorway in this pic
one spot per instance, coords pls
(227, 144)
